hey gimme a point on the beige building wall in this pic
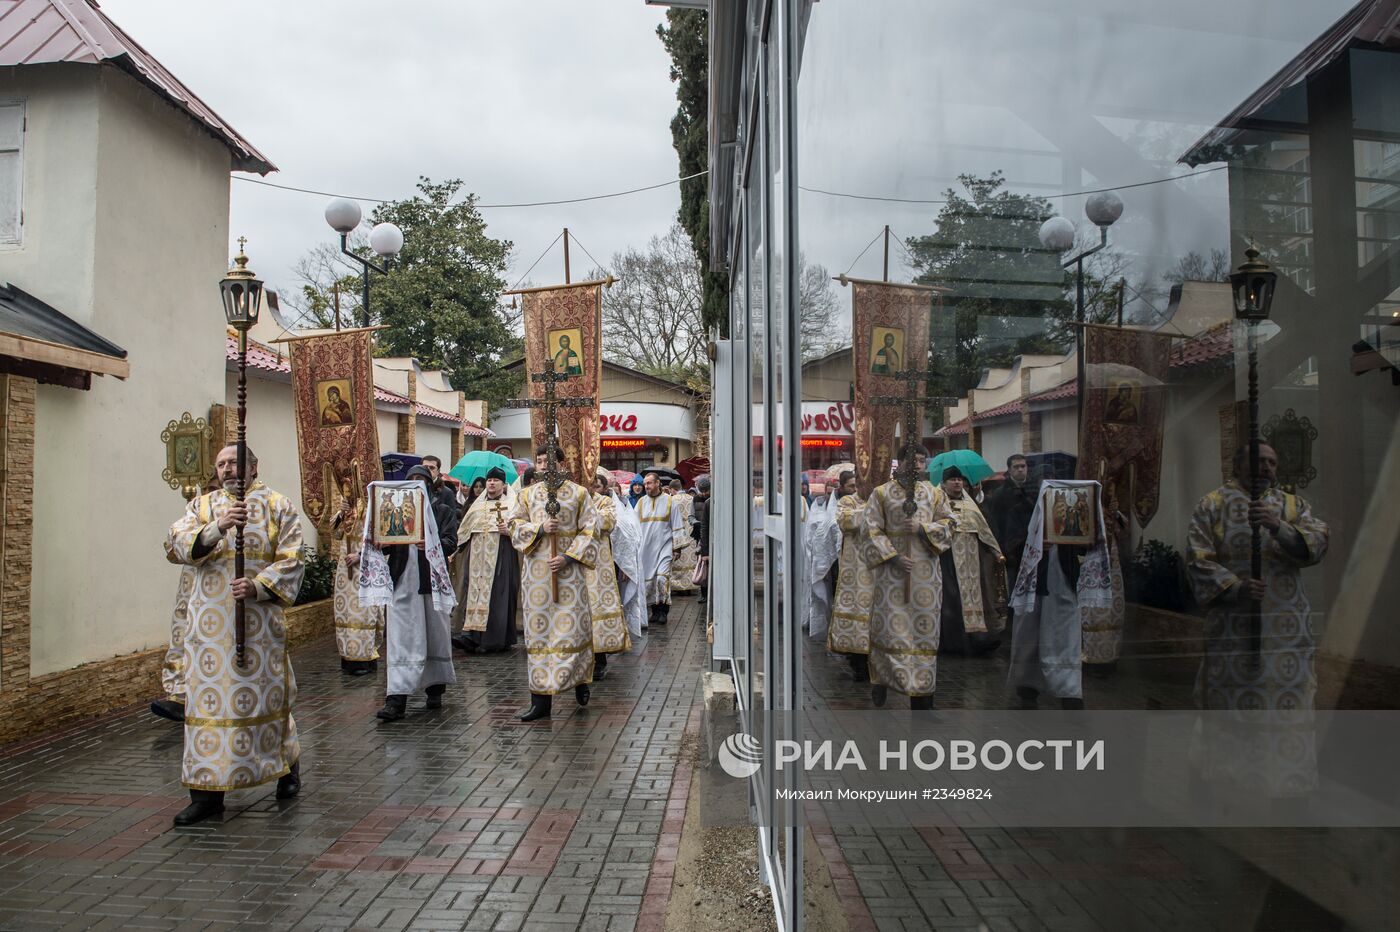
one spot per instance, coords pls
(272, 433)
(388, 424)
(126, 231)
(435, 438)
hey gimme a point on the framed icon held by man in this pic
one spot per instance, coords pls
(1071, 515)
(397, 516)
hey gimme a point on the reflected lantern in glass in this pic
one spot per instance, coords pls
(1253, 287)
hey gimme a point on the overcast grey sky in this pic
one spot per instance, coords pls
(524, 101)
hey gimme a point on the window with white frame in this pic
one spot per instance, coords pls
(11, 172)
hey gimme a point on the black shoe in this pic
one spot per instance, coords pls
(659, 618)
(540, 707)
(1072, 705)
(464, 643)
(600, 667)
(358, 667)
(582, 693)
(1028, 697)
(878, 695)
(860, 667)
(289, 784)
(203, 805)
(169, 709)
(394, 708)
(981, 647)
(920, 703)
(435, 695)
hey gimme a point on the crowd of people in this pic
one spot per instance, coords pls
(913, 570)
(577, 573)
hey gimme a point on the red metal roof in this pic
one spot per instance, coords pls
(269, 360)
(36, 32)
(1376, 21)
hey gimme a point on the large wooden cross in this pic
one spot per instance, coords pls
(911, 404)
(554, 476)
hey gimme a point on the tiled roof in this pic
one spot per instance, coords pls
(1209, 346)
(1069, 389)
(269, 360)
(36, 32)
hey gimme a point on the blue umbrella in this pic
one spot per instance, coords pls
(973, 467)
(476, 464)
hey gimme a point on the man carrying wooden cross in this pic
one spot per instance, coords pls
(551, 527)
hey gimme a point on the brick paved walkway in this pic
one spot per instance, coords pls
(460, 819)
(1080, 880)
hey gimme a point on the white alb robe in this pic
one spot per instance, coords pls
(662, 533)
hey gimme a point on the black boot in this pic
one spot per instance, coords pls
(659, 614)
(1028, 697)
(203, 805)
(169, 708)
(920, 703)
(540, 706)
(600, 667)
(1072, 705)
(435, 695)
(289, 784)
(394, 708)
(878, 695)
(463, 641)
(582, 693)
(358, 667)
(860, 667)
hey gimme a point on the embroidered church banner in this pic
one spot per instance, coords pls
(1120, 438)
(890, 325)
(563, 331)
(337, 434)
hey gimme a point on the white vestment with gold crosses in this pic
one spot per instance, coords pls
(239, 730)
(558, 632)
(904, 622)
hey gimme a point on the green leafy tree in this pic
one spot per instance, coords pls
(1008, 294)
(686, 38)
(441, 299)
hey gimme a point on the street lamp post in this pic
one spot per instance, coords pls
(1252, 286)
(1103, 209)
(385, 239)
(242, 297)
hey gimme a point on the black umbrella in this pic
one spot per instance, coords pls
(666, 474)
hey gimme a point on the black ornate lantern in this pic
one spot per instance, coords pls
(1253, 286)
(242, 292)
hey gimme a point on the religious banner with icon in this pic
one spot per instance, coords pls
(337, 434)
(1120, 437)
(563, 327)
(890, 336)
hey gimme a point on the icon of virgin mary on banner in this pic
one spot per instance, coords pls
(1124, 407)
(337, 434)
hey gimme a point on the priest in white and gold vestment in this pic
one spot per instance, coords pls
(903, 553)
(604, 593)
(239, 731)
(974, 598)
(663, 535)
(555, 552)
(686, 556)
(849, 633)
(358, 628)
(1260, 700)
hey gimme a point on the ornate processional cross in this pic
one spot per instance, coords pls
(907, 474)
(553, 476)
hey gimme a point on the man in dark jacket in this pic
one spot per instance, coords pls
(700, 530)
(1009, 511)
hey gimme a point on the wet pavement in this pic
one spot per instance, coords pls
(462, 818)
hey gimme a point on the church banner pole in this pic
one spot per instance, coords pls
(240, 609)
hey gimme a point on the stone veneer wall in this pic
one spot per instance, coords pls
(29, 705)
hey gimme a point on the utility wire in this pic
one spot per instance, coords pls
(569, 200)
(1116, 187)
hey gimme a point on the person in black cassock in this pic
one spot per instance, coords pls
(492, 592)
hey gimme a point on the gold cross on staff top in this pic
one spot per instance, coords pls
(498, 506)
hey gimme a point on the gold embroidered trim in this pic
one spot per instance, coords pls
(267, 719)
(908, 651)
(559, 650)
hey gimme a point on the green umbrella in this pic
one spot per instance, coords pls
(973, 467)
(476, 464)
